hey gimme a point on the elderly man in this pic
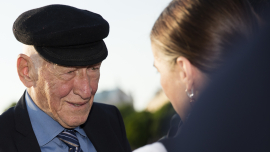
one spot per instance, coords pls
(63, 52)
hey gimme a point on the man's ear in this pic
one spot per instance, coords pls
(24, 69)
(186, 71)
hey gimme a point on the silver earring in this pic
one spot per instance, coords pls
(190, 94)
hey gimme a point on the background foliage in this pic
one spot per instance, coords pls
(144, 127)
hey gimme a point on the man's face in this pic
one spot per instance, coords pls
(67, 93)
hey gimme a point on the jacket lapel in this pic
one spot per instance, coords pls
(24, 138)
(100, 132)
(97, 128)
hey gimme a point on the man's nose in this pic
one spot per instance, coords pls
(82, 86)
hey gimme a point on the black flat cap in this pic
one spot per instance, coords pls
(63, 34)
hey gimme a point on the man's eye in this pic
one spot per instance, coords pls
(70, 72)
(94, 68)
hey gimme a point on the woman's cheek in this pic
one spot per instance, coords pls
(163, 82)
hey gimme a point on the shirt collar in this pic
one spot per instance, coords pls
(80, 131)
(45, 128)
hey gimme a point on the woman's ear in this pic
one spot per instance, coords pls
(186, 70)
(24, 69)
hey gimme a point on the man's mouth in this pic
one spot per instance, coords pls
(77, 104)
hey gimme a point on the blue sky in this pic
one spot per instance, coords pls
(129, 65)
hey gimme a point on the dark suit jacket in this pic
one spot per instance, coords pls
(104, 127)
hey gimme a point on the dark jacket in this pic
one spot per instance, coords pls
(104, 127)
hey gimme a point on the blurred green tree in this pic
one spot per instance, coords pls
(137, 127)
(161, 121)
(144, 127)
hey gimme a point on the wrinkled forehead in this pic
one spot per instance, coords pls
(57, 67)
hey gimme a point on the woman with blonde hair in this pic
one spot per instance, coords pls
(190, 40)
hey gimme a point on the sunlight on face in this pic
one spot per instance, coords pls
(67, 93)
(170, 81)
(168, 76)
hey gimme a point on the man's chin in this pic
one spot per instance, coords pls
(73, 122)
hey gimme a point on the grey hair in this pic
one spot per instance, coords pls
(36, 59)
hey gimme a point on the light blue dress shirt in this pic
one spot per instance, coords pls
(46, 129)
